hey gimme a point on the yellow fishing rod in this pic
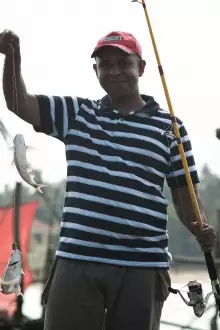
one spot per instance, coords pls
(208, 255)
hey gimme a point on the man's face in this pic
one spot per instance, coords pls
(118, 72)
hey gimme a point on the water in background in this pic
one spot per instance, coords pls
(174, 309)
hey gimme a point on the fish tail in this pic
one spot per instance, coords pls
(39, 188)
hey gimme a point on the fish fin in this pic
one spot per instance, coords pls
(13, 162)
(11, 148)
(28, 148)
(39, 188)
(29, 169)
(22, 272)
(32, 176)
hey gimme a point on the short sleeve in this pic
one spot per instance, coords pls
(176, 176)
(56, 114)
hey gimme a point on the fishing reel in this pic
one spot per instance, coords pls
(196, 297)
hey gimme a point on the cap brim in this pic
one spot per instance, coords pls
(123, 48)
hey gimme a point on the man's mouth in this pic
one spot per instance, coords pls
(117, 82)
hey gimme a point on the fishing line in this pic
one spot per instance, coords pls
(208, 255)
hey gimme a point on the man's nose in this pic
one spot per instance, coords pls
(114, 70)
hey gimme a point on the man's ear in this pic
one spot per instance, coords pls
(142, 65)
(95, 69)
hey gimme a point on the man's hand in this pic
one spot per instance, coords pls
(206, 237)
(9, 42)
(185, 211)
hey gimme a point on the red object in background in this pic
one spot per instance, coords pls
(27, 213)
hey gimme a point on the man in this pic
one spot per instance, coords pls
(112, 254)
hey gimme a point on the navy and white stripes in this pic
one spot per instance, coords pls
(115, 211)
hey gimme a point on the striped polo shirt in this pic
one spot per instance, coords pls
(114, 209)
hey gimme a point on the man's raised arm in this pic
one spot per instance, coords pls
(16, 96)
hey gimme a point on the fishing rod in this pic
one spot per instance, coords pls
(195, 294)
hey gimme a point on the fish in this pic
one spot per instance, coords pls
(20, 161)
(11, 279)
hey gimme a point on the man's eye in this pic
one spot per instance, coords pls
(103, 65)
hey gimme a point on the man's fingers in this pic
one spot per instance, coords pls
(205, 239)
(206, 236)
(206, 228)
(206, 243)
(8, 41)
(196, 225)
(207, 248)
(209, 232)
(12, 38)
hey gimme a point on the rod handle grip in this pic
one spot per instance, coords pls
(211, 266)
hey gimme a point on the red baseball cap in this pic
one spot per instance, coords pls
(123, 40)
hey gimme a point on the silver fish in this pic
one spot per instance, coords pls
(20, 161)
(11, 279)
